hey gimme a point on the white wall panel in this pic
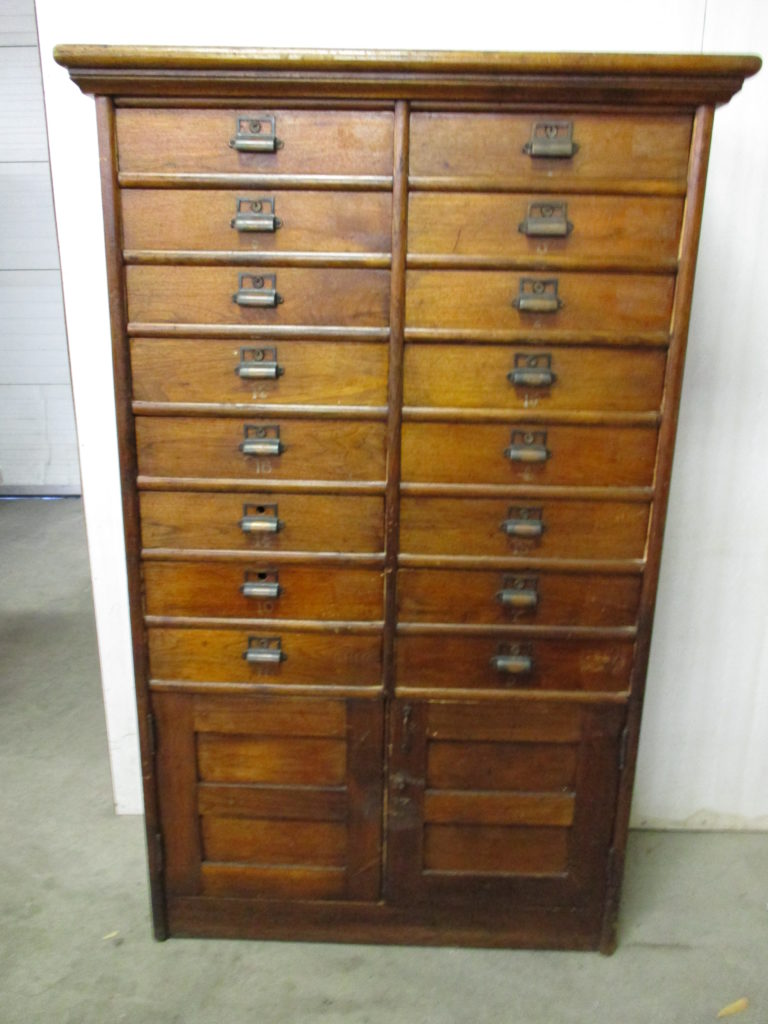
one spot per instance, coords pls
(22, 118)
(27, 227)
(702, 747)
(17, 23)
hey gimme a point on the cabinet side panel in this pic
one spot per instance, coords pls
(681, 313)
(105, 115)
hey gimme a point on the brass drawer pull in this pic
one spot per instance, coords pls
(546, 220)
(258, 364)
(536, 295)
(516, 661)
(264, 650)
(528, 446)
(519, 593)
(264, 585)
(260, 519)
(532, 371)
(251, 215)
(523, 522)
(256, 134)
(260, 440)
(553, 139)
(257, 290)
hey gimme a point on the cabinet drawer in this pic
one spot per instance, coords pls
(181, 446)
(307, 522)
(489, 148)
(468, 662)
(164, 220)
(219, 656)
(503, 598)
(208, 371)
(493, 453)
(206, 295)
(505, 377)
(478, 527)
(311, 142)
(595, 229)
(207, 589)
(475, 300)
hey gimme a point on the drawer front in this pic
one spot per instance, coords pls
(474, 300)
(180, 446)
(449, 662)
(244, 221)
(198, 142)
(219, 656)
(307, 522)
(310, 373)
(490, 146)
(588, 229)
(505, 377)
(259, 590)
(505, 598)
(497, 454)
(478, 527)
(206, 295)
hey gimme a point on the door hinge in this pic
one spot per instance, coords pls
(159, 851)
(152, 733)
(623, 743)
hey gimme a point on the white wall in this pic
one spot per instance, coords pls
(704, 751)
(38, 448)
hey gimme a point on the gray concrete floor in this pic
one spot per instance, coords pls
(75, 942)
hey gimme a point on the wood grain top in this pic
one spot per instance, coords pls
(656, 80)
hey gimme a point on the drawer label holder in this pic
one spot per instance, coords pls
(256, 134)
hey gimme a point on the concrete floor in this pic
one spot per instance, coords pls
(76, 948)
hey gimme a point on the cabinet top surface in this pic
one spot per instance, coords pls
(658, 79)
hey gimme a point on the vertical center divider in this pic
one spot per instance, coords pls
(395, 388)
(394, 421)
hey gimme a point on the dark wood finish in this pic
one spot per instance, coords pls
(482, 229)
(578, 456)
(447, 661)
(472, 300)
(567, 599)
(505, 794)
(203, 295)
(173, 221)
(588, 380)
(202, 372)
(210, 448)
(217, 656)
(472, 526)
(625, 146)
(197, 141)
(214, 589)
(312, 522)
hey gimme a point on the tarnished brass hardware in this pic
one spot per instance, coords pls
(256, 215)
(260, 440)
(264, 650)
(257, 134)
(258, 364)
(515, 660)
(519, 592)
(551, 139)
(532, 371)
(262, 290)
(523, 522)
(537, 295)
(528, 446)
(260, 519)
(263, 585)
(546, 219)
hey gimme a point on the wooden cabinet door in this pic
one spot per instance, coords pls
(507, 803)
(269, 797)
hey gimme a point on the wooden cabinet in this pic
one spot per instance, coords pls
(398, 345)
